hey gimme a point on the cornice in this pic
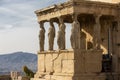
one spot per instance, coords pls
(53, 8)
(73, 3)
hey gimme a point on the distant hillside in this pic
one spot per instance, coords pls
(15, 61)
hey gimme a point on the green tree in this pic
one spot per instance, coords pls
(28, 72)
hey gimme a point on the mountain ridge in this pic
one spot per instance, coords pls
(15, 61)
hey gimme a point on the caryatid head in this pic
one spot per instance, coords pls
(60, 19)
(41, 24)
(51, 23)
(74, 17)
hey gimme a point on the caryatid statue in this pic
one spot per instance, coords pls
(97, 29)
(75, 33)
(41, 36)
(51, 35)
(61, 34)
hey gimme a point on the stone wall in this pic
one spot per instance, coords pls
(68, 62)
(23, 78)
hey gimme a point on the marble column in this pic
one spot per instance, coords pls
(82, 40)
(118, 43)
(114, 48)
(51, 35)
(97, 32)
(61, 34)
(75, 33)
(42, 36)
(116, 55)
(118, 28)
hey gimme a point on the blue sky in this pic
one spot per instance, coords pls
(18, 24)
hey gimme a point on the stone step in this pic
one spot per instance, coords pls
(37, 79)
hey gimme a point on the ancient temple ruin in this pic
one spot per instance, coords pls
(95, 41)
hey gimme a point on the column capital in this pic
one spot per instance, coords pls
(51, 23)
(117, 19)
(41, 23)
(50, 20)
(97, 16)
(60, 18)
(74, 16)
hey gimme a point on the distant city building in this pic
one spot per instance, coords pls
(14, 75)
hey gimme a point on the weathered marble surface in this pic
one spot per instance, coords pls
(51, 35)
(91, 24)
(42, 36)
